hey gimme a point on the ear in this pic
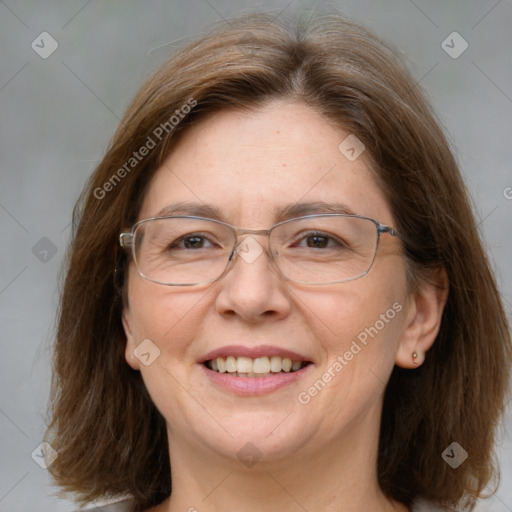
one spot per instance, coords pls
(423, 319)
(131, 344)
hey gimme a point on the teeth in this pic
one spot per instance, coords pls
(287, 364)
(261, 365)
(275, 364)
(296, 366)
(221, 363)
(257, 367)
(231, 364)
(244, 364)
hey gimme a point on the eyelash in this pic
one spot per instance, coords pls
(174, 244)
(329, 237)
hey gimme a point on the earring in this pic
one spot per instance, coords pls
(414, 357)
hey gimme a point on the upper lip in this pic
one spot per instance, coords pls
(252, 352)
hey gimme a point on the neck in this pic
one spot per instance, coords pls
(339, 477)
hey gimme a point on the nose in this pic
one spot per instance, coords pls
(251, 288)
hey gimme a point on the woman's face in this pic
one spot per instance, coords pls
(250, 167)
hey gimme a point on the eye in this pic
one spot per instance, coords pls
(191, 241)
(318, 240)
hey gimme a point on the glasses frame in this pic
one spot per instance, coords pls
(126, 241)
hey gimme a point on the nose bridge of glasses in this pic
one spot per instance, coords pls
(248, 249)
(242, 236)
(243, 231)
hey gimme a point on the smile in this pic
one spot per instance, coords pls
(254, 370)
(266, 366)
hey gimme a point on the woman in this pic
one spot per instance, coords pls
(276, 297)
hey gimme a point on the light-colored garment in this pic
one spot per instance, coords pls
(118, 506)
(425, 506)
(126, 506)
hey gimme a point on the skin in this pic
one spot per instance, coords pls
(319, 456)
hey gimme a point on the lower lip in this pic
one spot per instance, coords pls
(254, 386)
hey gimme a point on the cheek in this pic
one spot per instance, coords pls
(170, 320)
(358, 330)
(165, 316)
(358, 326)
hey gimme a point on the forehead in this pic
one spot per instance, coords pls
(252, 166)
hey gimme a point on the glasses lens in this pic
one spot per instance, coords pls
(182, 250)
(312, 250)
(324, 249)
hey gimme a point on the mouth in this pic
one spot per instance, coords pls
(258, 367)
(256, 370)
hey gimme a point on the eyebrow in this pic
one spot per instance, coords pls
(283, 212)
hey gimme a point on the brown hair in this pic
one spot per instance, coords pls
(109, 436)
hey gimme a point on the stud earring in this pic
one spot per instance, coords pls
(414, 357)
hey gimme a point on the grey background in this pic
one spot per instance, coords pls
(59, 113)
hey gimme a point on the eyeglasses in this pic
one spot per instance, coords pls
(314, 249)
